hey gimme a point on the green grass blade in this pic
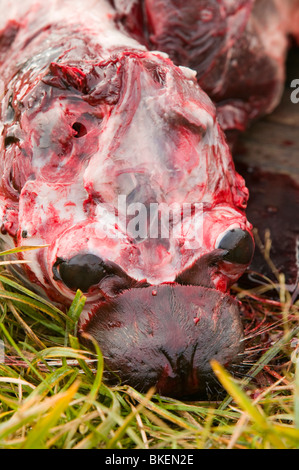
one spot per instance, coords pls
(20, 249)
(297, 394)
(36, 438)
(246, 405)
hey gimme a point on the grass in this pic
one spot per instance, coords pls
(53, 397)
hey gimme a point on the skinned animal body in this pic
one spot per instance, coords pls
(113, 157)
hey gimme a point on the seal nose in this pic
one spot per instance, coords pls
(80, 272)
(179, 375)
(165, 336)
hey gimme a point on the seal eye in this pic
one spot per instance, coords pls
(239, 245)
(80, 272)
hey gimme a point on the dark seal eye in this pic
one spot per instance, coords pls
(239, 245)
(80, 272)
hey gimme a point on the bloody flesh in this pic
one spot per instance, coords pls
(238, 48)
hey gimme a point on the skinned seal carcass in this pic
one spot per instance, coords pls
(113, 157)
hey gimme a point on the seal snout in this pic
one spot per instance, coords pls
(165, 337)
